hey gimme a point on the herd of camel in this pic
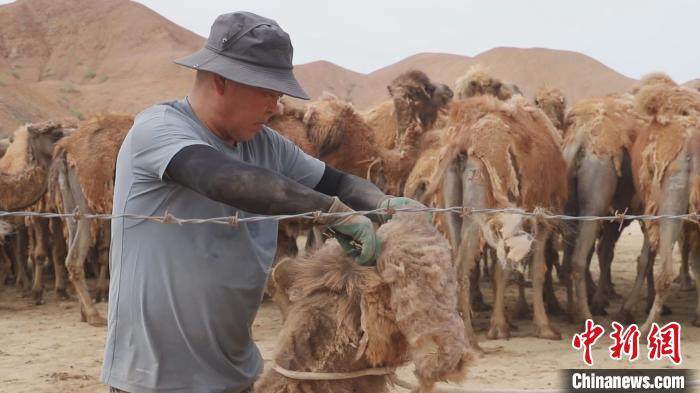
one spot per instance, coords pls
(481, 145)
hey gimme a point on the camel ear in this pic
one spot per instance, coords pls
(391, 92)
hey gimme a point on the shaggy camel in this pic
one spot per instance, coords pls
(666, 167)
(553, 104)
(345, 317)
(334, 132)
(494, 157)
(412, 95)
(478, 81)
(598, 136)
(83, 180)
(23, 174)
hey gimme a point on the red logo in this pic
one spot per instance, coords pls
(626, 342)
(586, 340)
(665, 341)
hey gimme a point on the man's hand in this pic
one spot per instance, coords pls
(353, 229)
(392, 202)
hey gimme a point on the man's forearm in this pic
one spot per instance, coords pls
(243, 186)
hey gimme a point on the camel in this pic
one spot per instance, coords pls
(478, 81)
(84, 181)
(494, 156)
(348, 318)
(23, 174)
(553, 103)
(666, 163)
(412, 94)
(599, 132)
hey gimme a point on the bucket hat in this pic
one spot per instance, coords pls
(249, 49)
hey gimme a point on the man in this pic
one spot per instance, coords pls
(183, 297)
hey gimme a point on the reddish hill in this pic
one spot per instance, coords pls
(86, 56)
(79, 57)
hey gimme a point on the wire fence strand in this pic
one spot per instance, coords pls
(167, 218)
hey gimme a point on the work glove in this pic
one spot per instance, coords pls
(355, 233)
(392, 202)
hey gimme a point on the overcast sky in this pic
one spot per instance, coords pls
(633, 37)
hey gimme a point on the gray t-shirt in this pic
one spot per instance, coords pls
(183, 297)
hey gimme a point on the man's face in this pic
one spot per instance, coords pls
(250, 108)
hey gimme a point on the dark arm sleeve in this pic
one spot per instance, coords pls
(243, 186)
(356, 192)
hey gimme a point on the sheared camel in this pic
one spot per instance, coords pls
(495, 156)
(23, 178)
(412, 95)
(347, 318)
(666, 167)
(599, 132)
(478, 81)
(83, 180)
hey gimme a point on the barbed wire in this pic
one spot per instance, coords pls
(540, 214)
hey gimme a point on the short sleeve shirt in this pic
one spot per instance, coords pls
(183, 297)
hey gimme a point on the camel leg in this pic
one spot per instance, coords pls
(550, 299)
(103, 259)
(674, 200)
(5, 265)
(465, 188)
(477, 298)
(21, 257)
(543, 327)
(566, 270)
(58, 257)
(79, 246)
(644, 263)
(606, 252)
(499, 327)
(597, 180)
(683, 277)
(39, 228)
(522, 310)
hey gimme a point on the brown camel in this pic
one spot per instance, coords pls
(599, 132)
(478, 81)
(412, 95)
(84, 181)
(23, 174)
(495, 155)
(666, 164)
(553, 103)
(344, 317)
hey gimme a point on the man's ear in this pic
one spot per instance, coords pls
(219, 84)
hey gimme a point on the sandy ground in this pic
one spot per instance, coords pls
(46, 349)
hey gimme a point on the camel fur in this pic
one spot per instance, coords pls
(345, 317)
(553, 103)
(666, 167)
(83, 180)
(479, 81)
(599, 132)
(413, 96)
(495, 154)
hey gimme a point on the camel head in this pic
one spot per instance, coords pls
(667, 103)
(652, 79)
(553, 104)
(478, 81)
(43, 136)
(415, 95)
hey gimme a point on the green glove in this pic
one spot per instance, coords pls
(392, 202)
(355, 233)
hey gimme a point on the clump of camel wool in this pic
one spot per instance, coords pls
(345, 317)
